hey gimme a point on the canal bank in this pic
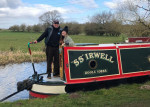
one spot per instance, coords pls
(12, 57)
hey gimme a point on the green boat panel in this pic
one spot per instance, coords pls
(92, 63)
(135, 59)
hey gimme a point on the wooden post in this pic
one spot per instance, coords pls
(61, 62)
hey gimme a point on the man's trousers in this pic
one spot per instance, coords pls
(52, 54)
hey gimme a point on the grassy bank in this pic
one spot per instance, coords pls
(125, 95)
(7, 57)
(14, 49)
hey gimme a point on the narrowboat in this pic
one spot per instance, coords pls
(138, 39)
(90, 63)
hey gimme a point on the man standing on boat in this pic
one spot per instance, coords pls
(52, 36)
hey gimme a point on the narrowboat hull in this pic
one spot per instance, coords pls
(95, 63)
(44, 91)
(47, 88)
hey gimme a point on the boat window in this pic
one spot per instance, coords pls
(93, 64)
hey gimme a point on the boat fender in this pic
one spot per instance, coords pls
(25, 84)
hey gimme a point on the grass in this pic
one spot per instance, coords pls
(18, 40)
(15, 43)
(125, 95)
(95, 39)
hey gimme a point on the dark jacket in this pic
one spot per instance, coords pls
(47, 35)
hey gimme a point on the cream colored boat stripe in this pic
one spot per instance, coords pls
(49, 89)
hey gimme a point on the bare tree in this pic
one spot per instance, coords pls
(22, 27)
(14, 28)
(48, 17)
(102, 18)
(145, 19)
(135, 11)
(37, 28)
(105, 23)
(29, 28)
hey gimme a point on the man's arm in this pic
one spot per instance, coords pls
(43, 35)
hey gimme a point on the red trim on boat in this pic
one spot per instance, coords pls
(103, 78)
(119, 61)
(38, 95)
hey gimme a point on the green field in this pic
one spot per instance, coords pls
(125, 95)
(19, 40)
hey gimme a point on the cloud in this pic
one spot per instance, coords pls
(32, 11)
(24, 14)
(15, 12)
(115, 3)
(10, 3)
(84, 3)
(111, 5)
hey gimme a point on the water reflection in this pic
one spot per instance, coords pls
(12, 73)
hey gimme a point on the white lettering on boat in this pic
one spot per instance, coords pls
(95, 72)
(94, 55)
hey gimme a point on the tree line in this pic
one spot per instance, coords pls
(25, 28)
(74, 28)
(127, 19)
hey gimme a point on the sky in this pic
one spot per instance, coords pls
(17, 12)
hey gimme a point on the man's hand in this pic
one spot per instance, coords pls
(35, 41)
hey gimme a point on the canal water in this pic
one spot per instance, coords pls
(13, 73)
